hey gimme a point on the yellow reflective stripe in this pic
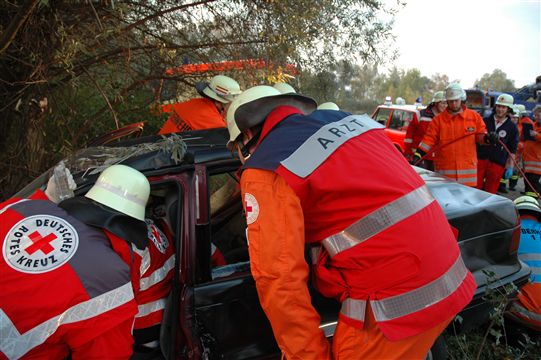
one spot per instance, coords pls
(14, 344)
(379, 220)
(404, 304)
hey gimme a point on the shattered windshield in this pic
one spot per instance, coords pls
(90, 162)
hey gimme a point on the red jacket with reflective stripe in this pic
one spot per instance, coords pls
(64, 285)
(325, 157)
(157, 265)
(416, 130)
(456, 159)
(194, 114)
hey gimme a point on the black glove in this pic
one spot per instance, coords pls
(417, 156)
(492, 138)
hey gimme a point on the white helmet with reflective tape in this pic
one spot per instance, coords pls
(505, 100)
(221, 88)
(438, 97)
(284, 88)
(123, 189)
(454, 91)
(522, 109)
(527, 203)
(252, 107)
(328, 106)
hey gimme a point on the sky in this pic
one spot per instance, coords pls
(465, 39)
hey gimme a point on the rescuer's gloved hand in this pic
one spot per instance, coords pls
(492, 138)
(417, 156)
(508, 173)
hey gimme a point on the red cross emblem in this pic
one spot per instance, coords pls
(248, 207)
(40, 243)
(252, 208)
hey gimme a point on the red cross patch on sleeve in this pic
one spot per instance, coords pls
(251, 208)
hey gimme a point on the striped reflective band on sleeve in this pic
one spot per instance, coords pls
(525, 312)
(322, 144)
(149, 308)
(157, 275)
(408, 141)
(424, 118)
(14, 345)
(422, 297)
(412, 301)
(424, 147)
(379, 220)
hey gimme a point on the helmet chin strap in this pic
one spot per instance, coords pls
(245, 149)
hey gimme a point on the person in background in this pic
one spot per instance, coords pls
(205, 112)
(388, 101)
(417, 127)
(328, 106)
(400, 101)
(494, 161)
(452, 135)
(531, 154)
(526, 309)
(514, 116)
(385, 273)
(67, 270)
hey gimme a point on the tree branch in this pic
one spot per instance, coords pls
(19, 19)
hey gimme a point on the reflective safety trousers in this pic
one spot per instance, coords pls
(387, 242)
(157, 263)
(531, 153)
(194, 114)
(65, 285)
(455, 159)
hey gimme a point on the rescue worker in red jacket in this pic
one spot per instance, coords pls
(452, 135)
(531, 154)
(527, 308)
(417, 127)
(494, 161)
(205, 112)
(391, 259)
(66, 278)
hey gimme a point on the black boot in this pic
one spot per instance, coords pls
(503, 187)
(513, 182)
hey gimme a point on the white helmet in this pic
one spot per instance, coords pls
(522, 109)
(122, 188)
(252, 107)
(388, 100)
(284, 88)
(515, 110)
(505, 100)
(400, 101)
(328, 106)
(527, 203)
(454, 91)
(221, 88)
(438, 97)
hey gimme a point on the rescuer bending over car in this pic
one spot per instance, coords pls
(67, 270)
(391, 260)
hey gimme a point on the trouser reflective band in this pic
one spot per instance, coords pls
(525, 312)
(412, 301)
(379, 220)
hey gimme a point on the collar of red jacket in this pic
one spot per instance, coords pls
(275, 117)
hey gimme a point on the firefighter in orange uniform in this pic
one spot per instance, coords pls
(66, 270)
(300, 185)
(205, 112)
(531, 153)
(452, 136)
(417, 128)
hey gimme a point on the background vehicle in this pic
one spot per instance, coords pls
(396, 119)
(483, 101)
(214, 311)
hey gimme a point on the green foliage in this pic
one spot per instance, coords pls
(496, 81)
(492, 340)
